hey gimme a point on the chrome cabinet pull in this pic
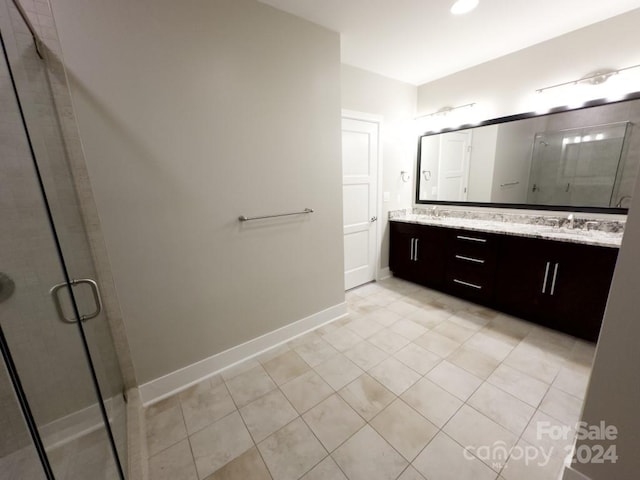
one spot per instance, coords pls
(96, 297)
(470, 259)
(467, 284)
(415, 255)
(546, 276)
(471, 239)
(553, 281)
(411, 256)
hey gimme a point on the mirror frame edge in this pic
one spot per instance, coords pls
(512, 118)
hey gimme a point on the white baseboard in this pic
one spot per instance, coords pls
(571, 474)
(174, 382)
(384, 273)
(77, 424)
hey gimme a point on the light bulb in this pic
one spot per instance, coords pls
(463, 6)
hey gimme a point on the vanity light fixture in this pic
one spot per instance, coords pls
(444, 111)
(463, 6)
(405, 176)
(595, 78)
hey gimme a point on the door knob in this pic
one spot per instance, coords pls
(373, 219)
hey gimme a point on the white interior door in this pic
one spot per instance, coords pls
(359, 184)
(453, 171)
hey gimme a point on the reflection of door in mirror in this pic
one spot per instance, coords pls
(453, 168)
(577, 166)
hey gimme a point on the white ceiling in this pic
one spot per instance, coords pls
(418, 41)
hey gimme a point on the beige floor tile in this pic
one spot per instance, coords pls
(367, 456)
(417, 358)
(384, 317)
(508, 329)
(383, 299)
(216, 445)
(436, 343)
(518, 384)
(394, 375)
(474, 317)
(432, 402)
(306, 391)
(561, 406)
(408, 329)
(366, 355)
(573, 380)
(472, 429)
(367, 396)
(165, 425)
(203, 404)
(533, 467)
(248, 386)
(454, 331)
(174, 462)
(499, 406)
(333, 421)
(535, 362)
(286, 367)
(325, 470)
(267, 414)
(364, 326)
(454, 379)
(402, 307)
(248, 466)
(548, 433)
(429, 316)
(411, 474)
(316, 352)
(309, 337)
(338, 371)
(444, 459)
(388, 341)
(342, 339)
(291, 451)
(489, 345)
(473, 361)
(405, 429)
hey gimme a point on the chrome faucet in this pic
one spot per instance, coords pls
(571, 220)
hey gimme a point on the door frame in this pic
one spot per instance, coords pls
(378, 229)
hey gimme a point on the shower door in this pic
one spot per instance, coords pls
(62, 412)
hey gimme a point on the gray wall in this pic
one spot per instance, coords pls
(613, 395)
(192, 113)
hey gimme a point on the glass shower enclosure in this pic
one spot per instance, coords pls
(62, 404)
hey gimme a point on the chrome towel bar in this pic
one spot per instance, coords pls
(242, 218)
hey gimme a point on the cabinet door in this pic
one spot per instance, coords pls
(416, 253)
(429, 255)
(579, 288)
(401, 252)
(522, 277)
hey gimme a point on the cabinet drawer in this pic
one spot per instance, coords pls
(472, 247)
(470, 281)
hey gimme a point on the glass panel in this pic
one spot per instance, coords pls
(50, 355)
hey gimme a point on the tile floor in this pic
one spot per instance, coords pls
(396, 390)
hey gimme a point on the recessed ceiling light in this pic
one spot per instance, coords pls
(463, 6)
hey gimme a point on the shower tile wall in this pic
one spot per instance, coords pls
(27, 252)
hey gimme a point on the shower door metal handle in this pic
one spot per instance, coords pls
(96, 297)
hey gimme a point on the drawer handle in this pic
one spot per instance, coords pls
(411, 257)
(470, 259)
(471, 239)
(467, 284)
(546, 276)
(415, 255)
(553, 282)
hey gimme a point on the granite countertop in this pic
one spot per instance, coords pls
(599, 234)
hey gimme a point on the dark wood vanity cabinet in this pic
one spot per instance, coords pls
(416, 253)
(561, 285)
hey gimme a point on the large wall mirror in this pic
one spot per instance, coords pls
(585, 159)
